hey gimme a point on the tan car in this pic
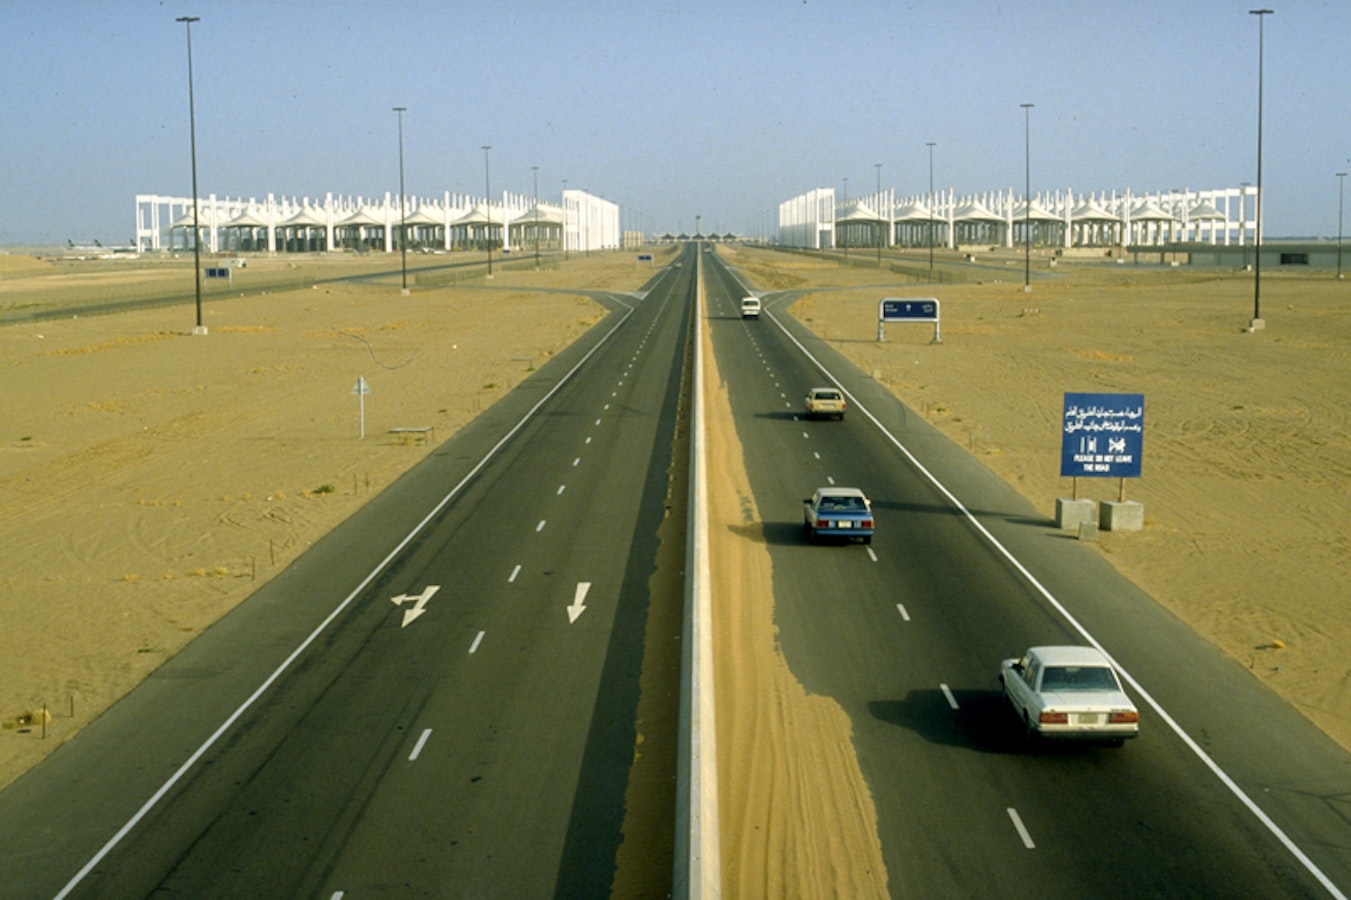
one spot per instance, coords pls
(824, 403)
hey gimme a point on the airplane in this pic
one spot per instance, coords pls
(97, 250)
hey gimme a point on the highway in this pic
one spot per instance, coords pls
(906, 636)
(438, 699)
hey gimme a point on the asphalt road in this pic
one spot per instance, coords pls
(437, 700)
(907, 634)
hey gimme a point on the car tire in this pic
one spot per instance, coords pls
(867, 539)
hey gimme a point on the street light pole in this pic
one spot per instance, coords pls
(881, 235)
(1341, 195)
(1027, 195)
(535, 171)
(192, 140)
(931, 146)
(565, 220)
(1257, 271)
(487, 210)
(403, 213)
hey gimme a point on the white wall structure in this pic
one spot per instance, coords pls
(1220, 216)
(808, 220)
(591, 223)
(281, 224)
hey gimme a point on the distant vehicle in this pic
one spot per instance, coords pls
(750, 307)
(824, 402)
(838, 512)
(678, 264)
(1069, 693)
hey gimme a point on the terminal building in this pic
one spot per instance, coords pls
(580, 222)
(1055, 220)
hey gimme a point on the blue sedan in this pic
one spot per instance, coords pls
(838, 512)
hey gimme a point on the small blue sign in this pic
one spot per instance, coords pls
(908, 309)
(1103, 435)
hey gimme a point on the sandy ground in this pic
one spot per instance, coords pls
(153, 479)
(1246, 480)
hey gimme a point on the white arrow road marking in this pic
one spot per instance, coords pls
(578, 607)
(419, 607)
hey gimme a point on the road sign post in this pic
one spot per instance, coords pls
(361, 390)
(1102, 436)
(908, 309)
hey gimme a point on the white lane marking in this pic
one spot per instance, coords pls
(947, 694)
(420, 743)
(598, 421)
(900, 607)
(1214, 767)
(576, 462)
(804, 434)
(540, 526)
(816, 453)
(337, 895)
(1022, 829)
(588, 439)
(606, 406)
(831, 480)
(514, 572)
(474, 646)
(871, 554)
(560, 489)
(319, 629)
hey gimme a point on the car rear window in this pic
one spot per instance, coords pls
(1079, 678)
(843, 504)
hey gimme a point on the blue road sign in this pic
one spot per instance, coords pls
(908, 309)
(1103, 435)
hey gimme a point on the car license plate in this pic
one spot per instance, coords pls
(1090, 718)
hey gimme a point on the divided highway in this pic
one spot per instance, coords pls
(906, 634)
(440, 697)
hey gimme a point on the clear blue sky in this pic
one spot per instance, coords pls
(675, 109)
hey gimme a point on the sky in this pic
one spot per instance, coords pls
(672, 110)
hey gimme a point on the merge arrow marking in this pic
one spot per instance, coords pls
(419, 605)
(578, 607)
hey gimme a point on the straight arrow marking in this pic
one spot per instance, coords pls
(578, 607)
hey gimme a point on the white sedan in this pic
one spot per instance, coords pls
(1069, 692)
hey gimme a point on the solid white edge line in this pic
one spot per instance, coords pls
(1021, 828)
(1201, 754)
(230, 720)
(417, 750)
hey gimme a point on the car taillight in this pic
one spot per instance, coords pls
(867, 523)
(1054, 718)
(1123, 718)
(822, 523)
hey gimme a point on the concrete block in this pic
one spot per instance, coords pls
(1088, 531)
(1125, 516)
(1070, 513)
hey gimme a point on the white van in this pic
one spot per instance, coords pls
(750, 307)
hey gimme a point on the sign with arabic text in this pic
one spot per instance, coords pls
(1103, 435)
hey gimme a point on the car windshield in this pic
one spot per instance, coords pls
(1079, 678)
(843, 504)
